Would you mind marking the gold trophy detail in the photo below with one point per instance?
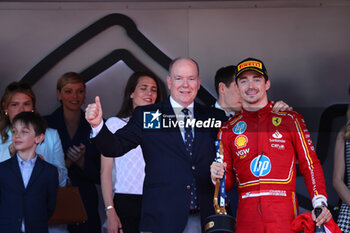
(220, 222)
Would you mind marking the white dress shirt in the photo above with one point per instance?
(228, 114)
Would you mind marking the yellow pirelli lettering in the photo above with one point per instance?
(250, 64)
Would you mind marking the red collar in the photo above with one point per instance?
(262, 111)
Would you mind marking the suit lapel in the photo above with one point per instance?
(39, 164)
(16, 170)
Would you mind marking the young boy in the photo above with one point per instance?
(28, 184)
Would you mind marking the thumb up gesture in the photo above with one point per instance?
(93, 113)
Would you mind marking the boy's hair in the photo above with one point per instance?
(31, 118)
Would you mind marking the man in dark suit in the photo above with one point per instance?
(28, 184)
(178, 192)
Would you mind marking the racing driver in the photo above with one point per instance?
(261, 149)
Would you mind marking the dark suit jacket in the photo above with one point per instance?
(169, 168)
(35, 204)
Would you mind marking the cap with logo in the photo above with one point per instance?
(251, 64)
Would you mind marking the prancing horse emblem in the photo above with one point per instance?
(276, 121)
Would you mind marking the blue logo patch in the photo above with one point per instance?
(260, 166)
(151, 120)
(240, 127)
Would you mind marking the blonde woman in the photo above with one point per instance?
(81, 157)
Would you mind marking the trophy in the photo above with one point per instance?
(220, 221)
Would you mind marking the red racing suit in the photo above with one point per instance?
(261, 150)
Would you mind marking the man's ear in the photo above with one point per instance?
(40, 138)
(221, 87)
(267, 85)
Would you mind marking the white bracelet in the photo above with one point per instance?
(109, 207)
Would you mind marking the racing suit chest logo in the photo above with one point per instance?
(243, 153)
(277, 135)
(240, 127)
(276, 121)
(241, 141)
(260, 166)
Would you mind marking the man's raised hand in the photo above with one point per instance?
(93, 113)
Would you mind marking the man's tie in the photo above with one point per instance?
(188, 140)
(188, 133)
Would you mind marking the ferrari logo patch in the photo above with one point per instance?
(276, 121)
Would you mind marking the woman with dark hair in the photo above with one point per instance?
(124, 211)
(81, 157)
(19, 97)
